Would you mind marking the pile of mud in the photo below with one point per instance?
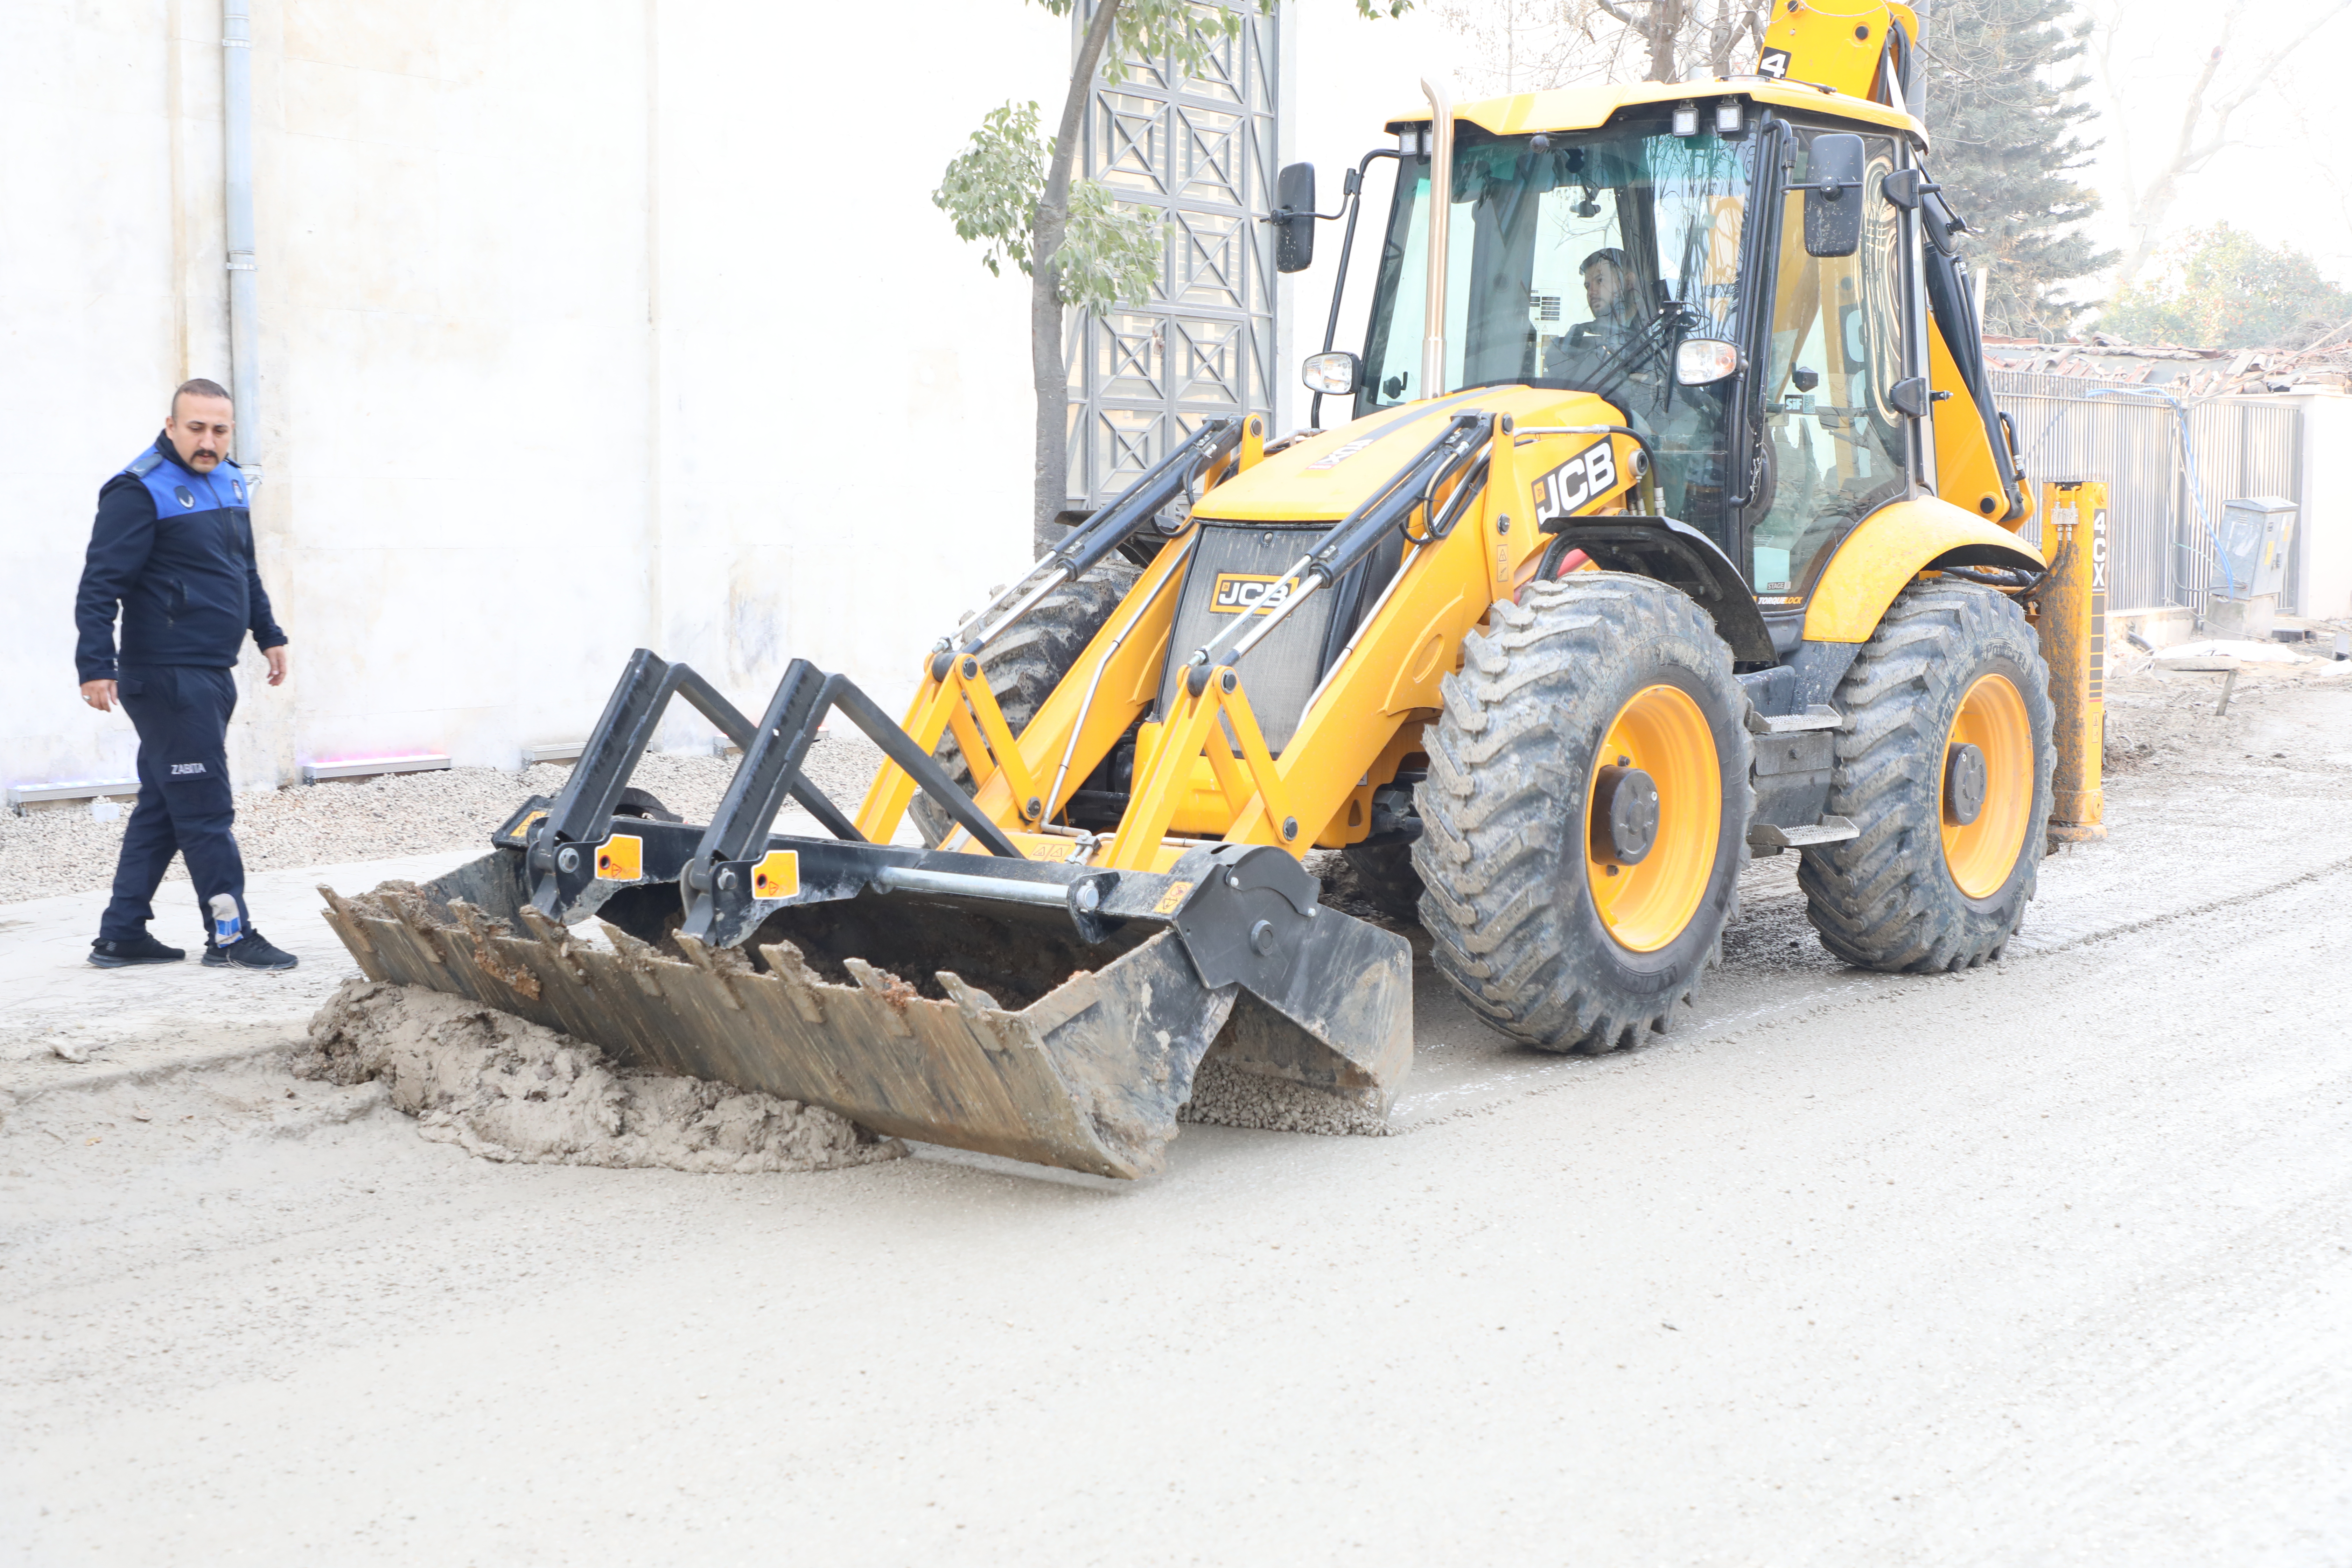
(505, 1089)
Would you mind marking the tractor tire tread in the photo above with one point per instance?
(1385, 878)
(1026, 664)
(1494, 806)
(1884, 900)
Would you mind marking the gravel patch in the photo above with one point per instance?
(69, 850)
(1223, 1097)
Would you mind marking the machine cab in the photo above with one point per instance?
(1671, 260)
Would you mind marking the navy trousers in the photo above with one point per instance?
(182, 713)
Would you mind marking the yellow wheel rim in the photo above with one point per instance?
(1645, 905)
(1981, 853)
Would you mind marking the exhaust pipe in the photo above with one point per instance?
(1441, 210)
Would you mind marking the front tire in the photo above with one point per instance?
(1585, 815)
(1950, 844)
(1025, 666)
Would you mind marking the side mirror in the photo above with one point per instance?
(1333, 375)
(1702, 361)
(1293, 219)
(1833, 195)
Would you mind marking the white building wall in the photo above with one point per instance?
(585, 326)
(2323, 524)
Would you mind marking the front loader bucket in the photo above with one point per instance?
(1057, 1050)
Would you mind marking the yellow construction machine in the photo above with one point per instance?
(1671, 524)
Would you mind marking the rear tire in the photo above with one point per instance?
(644, 805)
(1919, 891)
(1529, 920)
(1025, 666)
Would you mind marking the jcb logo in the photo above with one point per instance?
(1588, 476)
(1338, 455)
(1249, 593)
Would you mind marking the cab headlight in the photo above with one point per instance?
(1333, 375)
(1703, 360)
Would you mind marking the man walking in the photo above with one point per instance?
(173, 546)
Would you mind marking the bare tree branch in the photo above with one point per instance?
(2204, 127)
(1550, 43)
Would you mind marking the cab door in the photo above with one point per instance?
(1833, 448)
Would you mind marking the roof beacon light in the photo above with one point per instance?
(1686, 118)
(1729, 115)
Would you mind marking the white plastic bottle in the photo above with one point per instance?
(227, 927)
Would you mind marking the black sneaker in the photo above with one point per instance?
(130, 950)
(251, 951)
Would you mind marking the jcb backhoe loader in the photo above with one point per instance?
(1563, 623)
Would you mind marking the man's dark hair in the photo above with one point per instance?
(1612, 255)
(199, 387)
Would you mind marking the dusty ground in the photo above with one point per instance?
(2044, 1264)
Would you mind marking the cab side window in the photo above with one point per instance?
(1834, 446)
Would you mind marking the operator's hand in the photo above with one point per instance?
(276, 657)
(99, 694)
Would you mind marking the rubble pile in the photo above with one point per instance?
(2325, 366)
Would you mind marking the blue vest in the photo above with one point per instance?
(176, 491)
(198, 593)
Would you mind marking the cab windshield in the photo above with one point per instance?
(1578, 260)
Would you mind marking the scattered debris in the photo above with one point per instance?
(2325, 365)
(2123, 752)
(2241, 651)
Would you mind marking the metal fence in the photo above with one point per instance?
(2133, 437)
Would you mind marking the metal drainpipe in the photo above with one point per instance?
(243, 289)
(1441, 210)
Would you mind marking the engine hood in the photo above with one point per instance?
(1325, 477)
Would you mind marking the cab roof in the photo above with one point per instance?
(1590, 107)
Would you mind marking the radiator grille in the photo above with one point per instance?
(1237, 564)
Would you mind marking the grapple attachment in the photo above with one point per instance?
(964, 1006)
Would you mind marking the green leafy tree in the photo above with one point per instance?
(2004, 106)
(1014, 192)
(2216, 287)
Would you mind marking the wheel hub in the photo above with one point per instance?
(1965, 782)
(1624, 815)
(1652, 819)
(1988, 786)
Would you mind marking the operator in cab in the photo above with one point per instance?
(1586, 349)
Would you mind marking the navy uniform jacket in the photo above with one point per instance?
(175, 549)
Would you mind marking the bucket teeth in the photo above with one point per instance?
(799, 982)
(973, 1001)
(892, 992)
